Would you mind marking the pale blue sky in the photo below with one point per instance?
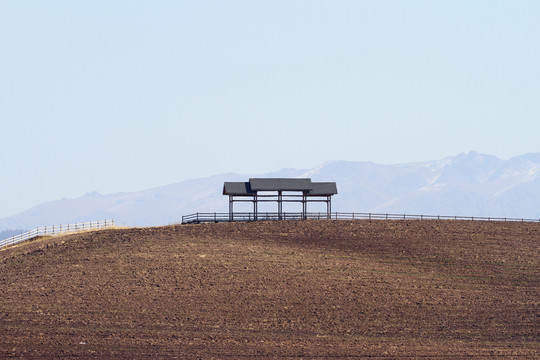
(127, 95)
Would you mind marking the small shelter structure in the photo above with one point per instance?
(279, 190)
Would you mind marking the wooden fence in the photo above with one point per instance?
(57, 229)
(271, 216)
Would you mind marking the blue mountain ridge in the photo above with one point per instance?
(469, 184)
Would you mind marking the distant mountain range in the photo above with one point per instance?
(469, 184)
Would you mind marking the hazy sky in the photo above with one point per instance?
(127, 95)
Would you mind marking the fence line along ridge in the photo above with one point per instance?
(56, 230)
(272, 216)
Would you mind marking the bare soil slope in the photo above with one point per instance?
(324, 289)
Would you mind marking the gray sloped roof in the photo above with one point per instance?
(280, 184)
(323, 188)
(237, 188)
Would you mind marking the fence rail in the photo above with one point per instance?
(272, 216)
(57, 229)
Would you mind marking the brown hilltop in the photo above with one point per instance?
(342, 289)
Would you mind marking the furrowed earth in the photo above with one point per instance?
(288, 289)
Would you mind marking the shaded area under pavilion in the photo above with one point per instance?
(280, 190)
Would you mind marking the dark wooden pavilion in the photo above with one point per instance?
(279, 190)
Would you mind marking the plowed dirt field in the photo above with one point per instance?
(308, 289)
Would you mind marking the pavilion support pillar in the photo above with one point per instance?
(304, 206)
(328, 207)
(255, 207)
(231, 207)
(280, 205)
